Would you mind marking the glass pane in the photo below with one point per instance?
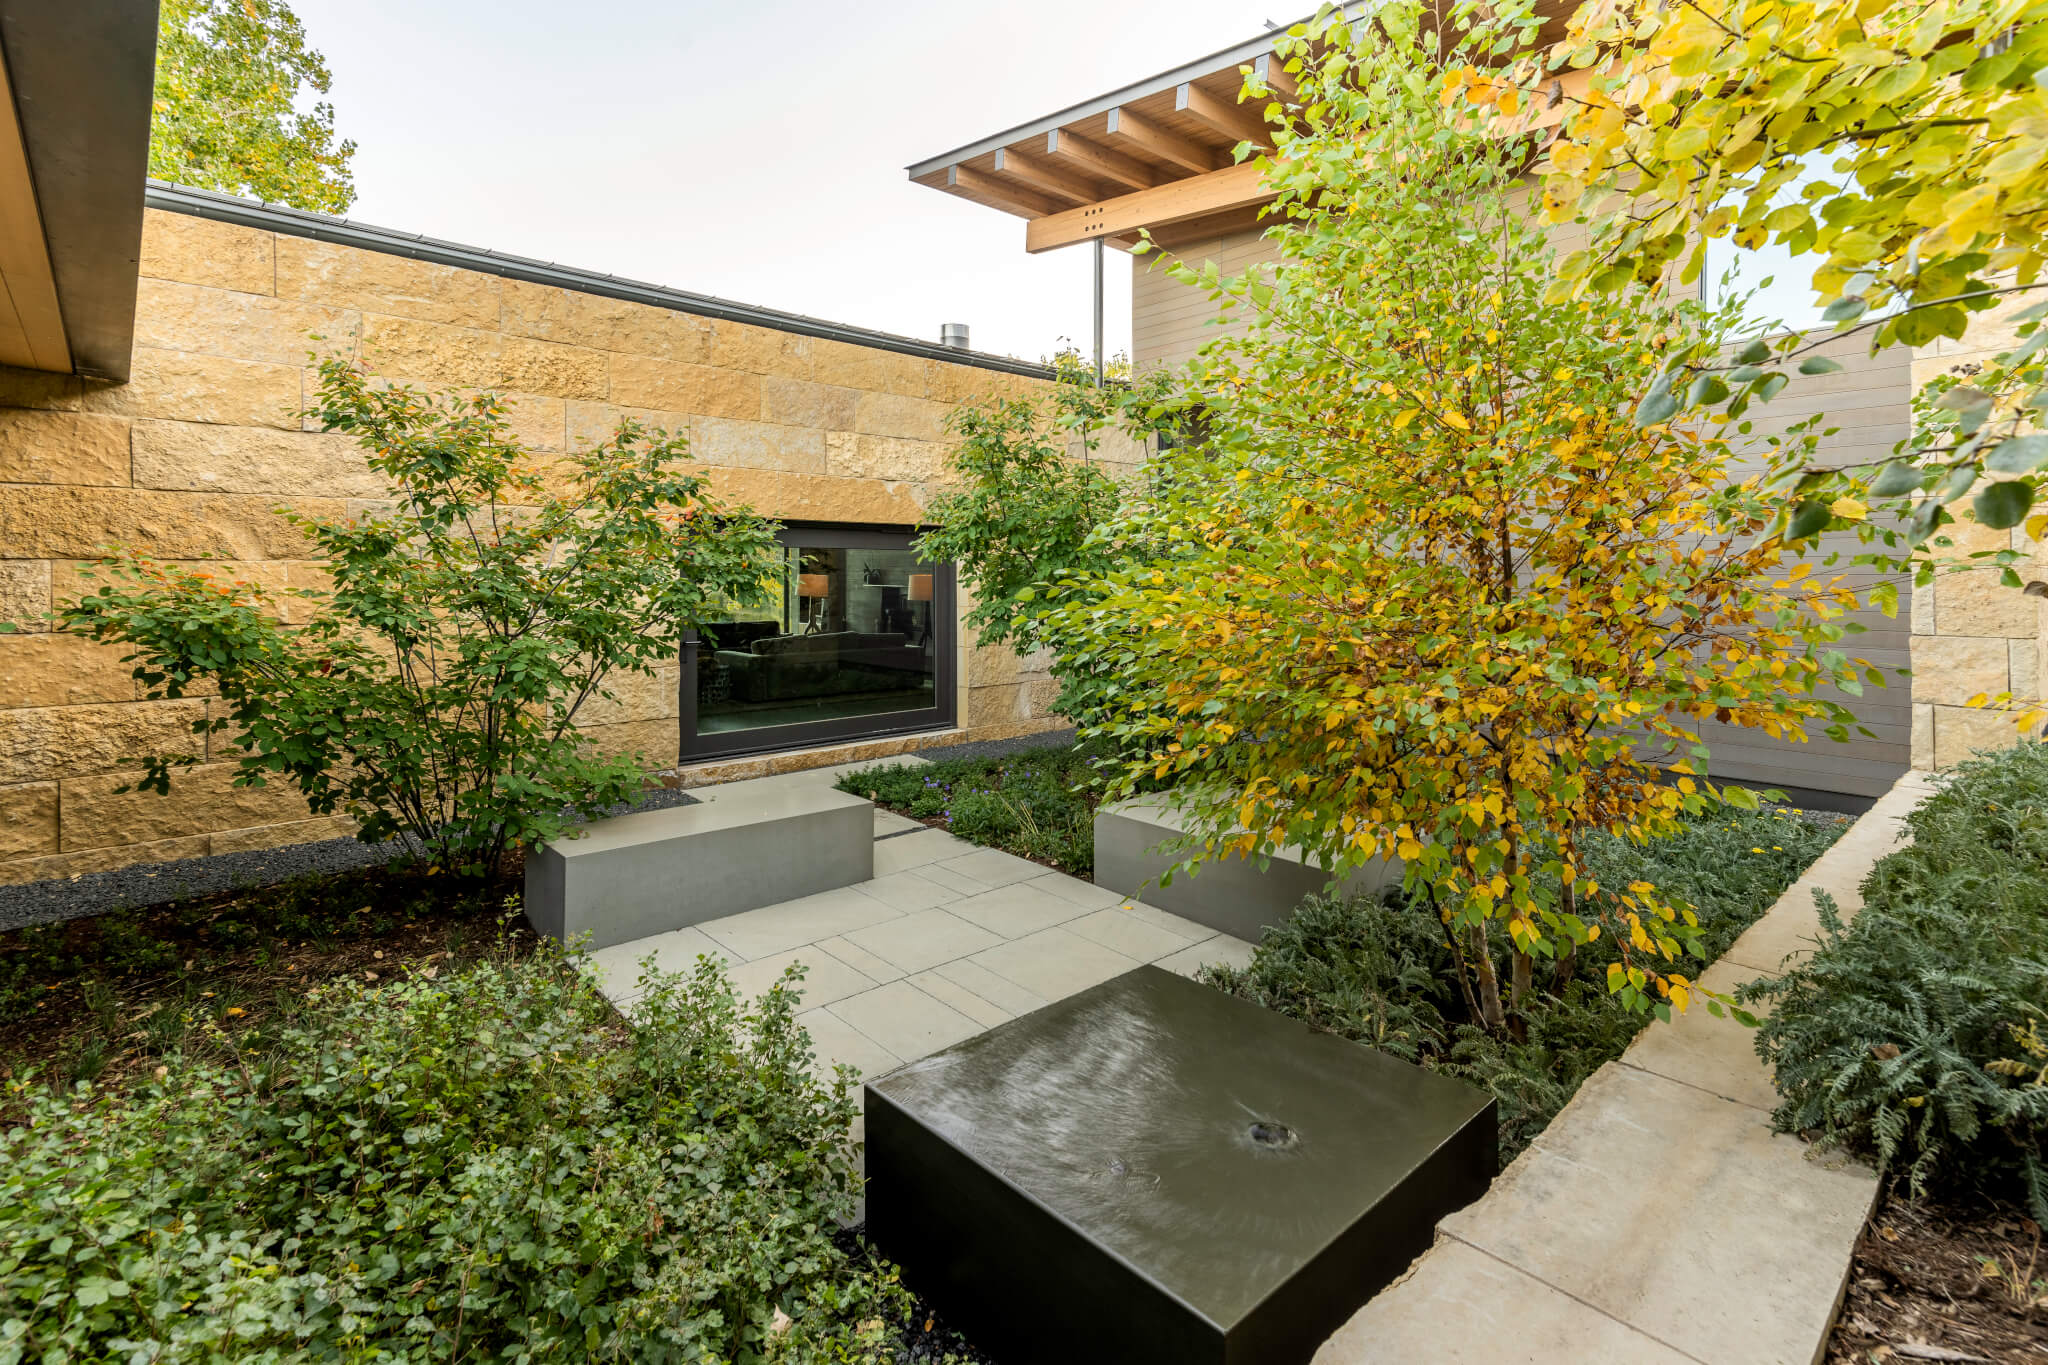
(850, 634)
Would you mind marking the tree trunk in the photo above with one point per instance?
(1491, 1015)
(1522, 982)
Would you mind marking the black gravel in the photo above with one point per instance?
(926, 1338)
(1000, 748)
(126, 888)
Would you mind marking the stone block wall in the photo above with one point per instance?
(1972, 635)
(190, 460)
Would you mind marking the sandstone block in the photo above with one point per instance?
(62, 448)
(1974, 602)
(184, 456)
(2024, 666)
(654, 741)
(808, 497)
(990, 665)
(71, 579)
(278, 836)
(25, 593)
(438, 355)
(948, 382)
(549, 313)
(56, 668)
(177, 386)
(1001, 704)
(177, 246)
(95, 814)
(800, 403)
(639, 381)
(761, 350)
(28, 819)
(642, 329)
(1040, 694)
(1923, 735)
(757, 445)
(397, 286)
(1951, 669)
(1962, 731)
(889, 414)
(44, 742)
(635, 697)
(867, 367)
(53, 866)
(200, 321)
(38, 389)
(79, 523)
(591, 423)
(890, 457)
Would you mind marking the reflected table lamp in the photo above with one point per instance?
(813, 588)
(921, 591)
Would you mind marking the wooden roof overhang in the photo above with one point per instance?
(1157, 155)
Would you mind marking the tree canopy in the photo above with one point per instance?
(230, 111)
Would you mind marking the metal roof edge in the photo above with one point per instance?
(320, 227)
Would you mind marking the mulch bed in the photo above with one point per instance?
(105, 998)
(1952, 1282)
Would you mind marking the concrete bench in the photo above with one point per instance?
(643, 874)
(1232, 894)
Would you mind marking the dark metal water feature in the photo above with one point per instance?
(1153, 1171)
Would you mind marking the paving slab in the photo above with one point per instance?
(1714, 1055)
(1016, 910)
(947, 991)
(920, 941)
(999, 991)
(1055, 963)
(773, 928)
(888, 822)
(1129, 934)
(905, 1020)
(907, 891)
(838, 1043)
(617, 969)
(825, 979)
(916, 850)
(993, 867)
(1217, 949)
(1459, 1306)
(1738, 1255)
(1085, 894)
(860, 959)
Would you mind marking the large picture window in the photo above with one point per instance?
(857, 641)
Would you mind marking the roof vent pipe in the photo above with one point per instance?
(954, 334)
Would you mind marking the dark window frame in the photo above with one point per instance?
(769, 739)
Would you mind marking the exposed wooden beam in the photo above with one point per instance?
(1001, 193)
(1195, 197)
(1270, 69)
(1148, 136)
(1100, 161)
(31, 322)
(1052, 178)
(1238, 122)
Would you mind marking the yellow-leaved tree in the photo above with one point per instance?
(1424, 589)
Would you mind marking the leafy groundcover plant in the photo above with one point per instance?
(481, 1167)
(1919, 1032)
(1038, 804)
(1387, 975)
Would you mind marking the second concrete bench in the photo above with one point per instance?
(1233, 894)
(643, 874)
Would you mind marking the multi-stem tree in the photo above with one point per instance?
(1426, 590)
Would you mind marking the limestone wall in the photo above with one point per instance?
(190, 460)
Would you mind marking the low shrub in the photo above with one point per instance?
(1039, 804)
(1384, 974)
(1919, 1032)
(482, 1166)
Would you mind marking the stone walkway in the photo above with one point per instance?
(1658, 1218)
(948, 940)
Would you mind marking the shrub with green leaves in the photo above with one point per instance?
(1386, 975)
(482, 1167)
(1039, 803)
(434, 687)
(1919, 1031)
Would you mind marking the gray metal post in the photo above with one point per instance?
(1098, 312)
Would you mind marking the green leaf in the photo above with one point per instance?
(1896, 479)
(1809, 519)
(1756, 353)
(1819, 364)
(1706, 390)
(2003, 505)
(1658, 405)
(2019, 455)
(1845, 309)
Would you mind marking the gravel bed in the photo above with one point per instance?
(124, 888)
(998, 748)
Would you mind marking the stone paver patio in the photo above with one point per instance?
(948, 940)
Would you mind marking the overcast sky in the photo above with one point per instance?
(754, 150)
